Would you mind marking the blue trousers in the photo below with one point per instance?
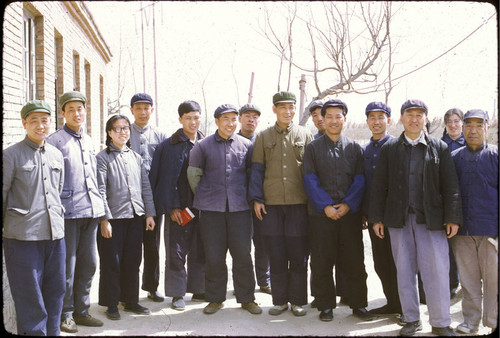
(183, 244)
(285, 234)
(261, 258)
(120, 258)
(81, 263)
(417, 249)
(36, 272)
(220, 232)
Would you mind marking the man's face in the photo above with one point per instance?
(190, 122)
(142, 112)
(317, 119)
(37, 126)
(74, 113)
(413, 121)
(475, 132)
(334, 121)
(226, 124)
(377, 122)
(284, 112)
(249, 121)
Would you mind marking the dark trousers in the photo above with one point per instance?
(120, 258)
(220, 232)
(285, 235)
(385, 267)
(261, 258)
(183, 245)
(81, 264)
(340, 241)
(37, 279)
(151, 268)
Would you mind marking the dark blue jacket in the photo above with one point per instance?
(168, 173)
(478, 176)
(371, 153)
(454, 144)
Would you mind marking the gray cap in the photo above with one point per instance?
(315, 104)
(249, 106)
(477, 114)
(225, 108)
(414, 104)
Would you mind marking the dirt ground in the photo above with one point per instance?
(234, 321)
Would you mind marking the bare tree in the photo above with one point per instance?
(349, 44)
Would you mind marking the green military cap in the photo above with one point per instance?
(72, 96)
(284, 97)
(35, 106)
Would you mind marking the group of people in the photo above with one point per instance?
(295, 194)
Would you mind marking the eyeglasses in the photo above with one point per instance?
(120, 129)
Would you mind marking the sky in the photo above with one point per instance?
(213, 47)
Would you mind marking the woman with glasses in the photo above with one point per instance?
(128, 203)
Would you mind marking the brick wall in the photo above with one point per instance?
(70, 23)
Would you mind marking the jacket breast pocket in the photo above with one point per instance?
(27, 173)
(55, 172)
(269, 149)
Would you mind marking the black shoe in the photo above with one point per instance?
(363, 314)
(444, 331)
(198, 297)
(136, 308)
(326, 315)
(112, 313)
(314, 304)
(385, 310)
(410, 328)
(156, 296)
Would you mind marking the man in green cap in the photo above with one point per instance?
(280, 203)
(33, 225)
(83, 206)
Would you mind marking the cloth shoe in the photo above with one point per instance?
(363, 314)
(326, 315)
(444, 331)
(212, 308)
(278, 309)
(298, 310)
(198, 297)
(112, 313)
(136, 308)
(465, 329)
(410, 328)
(266, 289)
(69, 325)
(178, 303)
(252, 307)
(385, 310)
(88, 320)
(156, 296)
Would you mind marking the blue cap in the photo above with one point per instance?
(378, 106)
(315, 104)
(334, 103)
(414, 104)
(141, 97)
(225, 108)
(476, 114)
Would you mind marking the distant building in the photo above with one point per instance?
(49, 48)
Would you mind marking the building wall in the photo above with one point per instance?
(71, 25)
(62, 29)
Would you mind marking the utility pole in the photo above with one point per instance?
(302, 87)
(251, 88)
(155, 70)
(143, 60)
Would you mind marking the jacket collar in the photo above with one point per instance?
(33, 145)
(114, 148)
(71, 131)
(179, 136)
(281, 130)
(218, 138)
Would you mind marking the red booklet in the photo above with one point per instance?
(186, 215)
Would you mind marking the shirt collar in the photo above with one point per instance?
(139, 128)
(112, 147)
(334, 144)
(219, 138)
(33, 145)
(71, 131)
(420, 139)
(281, 130)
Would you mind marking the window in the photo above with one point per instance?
(28, 58)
